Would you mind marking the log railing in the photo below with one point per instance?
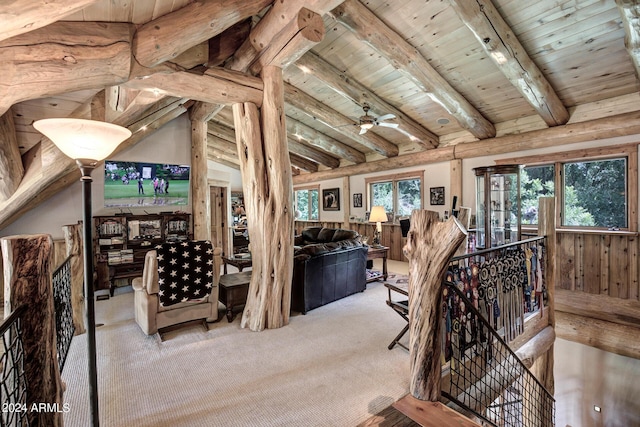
(13, 383)
(61, 280)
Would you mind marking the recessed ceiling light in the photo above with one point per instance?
(443, 121)
(597, 408)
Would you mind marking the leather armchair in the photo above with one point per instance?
(151, 315)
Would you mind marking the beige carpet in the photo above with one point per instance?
(328, 368)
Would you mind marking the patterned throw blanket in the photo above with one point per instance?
(185, 271)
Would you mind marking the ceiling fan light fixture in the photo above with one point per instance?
(367, 126)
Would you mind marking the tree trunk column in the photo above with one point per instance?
(73, 240)
(430, 245)
(201, 204)
(27, 276)
(268, 195)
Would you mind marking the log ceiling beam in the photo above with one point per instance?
(315, 109)
(10, 160)
(156, 42)
(607, 127)
(502, 46)
(369, 29)
(348, 87)
(18, 17)
(65, 57)
(630, 13)
(302, 163)
(323, 142)
(304, 30)
(217, 85)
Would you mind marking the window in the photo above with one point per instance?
(535, 182)
(593, 188)
(399, 194)
(306, 203)
(595, 193)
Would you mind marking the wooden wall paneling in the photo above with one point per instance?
(632, 181)
(605, 246)
(633, 268)
(591, 263)
(566, 256)
(619, 262)
(579, 262)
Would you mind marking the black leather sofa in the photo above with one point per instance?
(329, 264)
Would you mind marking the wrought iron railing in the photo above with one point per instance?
(64, 312)
(13, 385)
(484, 375)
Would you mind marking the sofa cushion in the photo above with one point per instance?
(342, 234)
(326, 235)
(310, 235)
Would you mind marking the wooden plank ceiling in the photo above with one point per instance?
(450, 72)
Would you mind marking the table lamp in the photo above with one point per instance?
(87, 142)
(378, 215)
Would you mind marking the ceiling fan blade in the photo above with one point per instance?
(386, 117)
(362, 131)
(389, 125)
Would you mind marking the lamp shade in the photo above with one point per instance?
(378, 214)
(83, 139)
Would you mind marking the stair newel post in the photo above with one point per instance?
(73, 243)
(430, 245)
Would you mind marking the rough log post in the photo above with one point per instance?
(10, 160)
(268, 192)
(199, 186)
(73, 240)
(27, 277)
(543, 367)
(430, 244)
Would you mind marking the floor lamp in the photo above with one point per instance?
(378, 215)
(87, 142)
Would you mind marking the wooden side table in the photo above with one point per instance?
(239, 263)
(378, 252)
(233, 291)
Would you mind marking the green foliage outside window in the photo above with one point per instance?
(399, 197)
(306, 202)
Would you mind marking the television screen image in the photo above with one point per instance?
(136, 184)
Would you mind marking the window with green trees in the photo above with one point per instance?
(593, 192)
(399, 195)
(306, 202)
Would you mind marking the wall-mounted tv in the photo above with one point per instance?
(136, 184)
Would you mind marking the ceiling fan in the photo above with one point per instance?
(366, 122)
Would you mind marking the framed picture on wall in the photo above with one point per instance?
(357, 200)
(331, 199)
(437, 196)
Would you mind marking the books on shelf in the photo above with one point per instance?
(122, 256)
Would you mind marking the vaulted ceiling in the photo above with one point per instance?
(454, 73)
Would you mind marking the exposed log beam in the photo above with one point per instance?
(302, 163)
(223, 46)
(607, 336)
(10, 160)
(329, 117)
(630, 13)
(222, 158)
(603, 307)
(156, 115)
(217, 85)
(324, 142)
(18, 17)
(222, 128)
(156, 41)
(64, 57)
(504, 49)
(345, 85)
(304, 31)
(318, 156)
(608, 127)
(369, 29)
(222, 146)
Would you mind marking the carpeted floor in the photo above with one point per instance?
(328, 368)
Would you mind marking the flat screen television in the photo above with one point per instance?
(136, 184)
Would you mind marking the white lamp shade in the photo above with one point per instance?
(83, 139)
(378, 214)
